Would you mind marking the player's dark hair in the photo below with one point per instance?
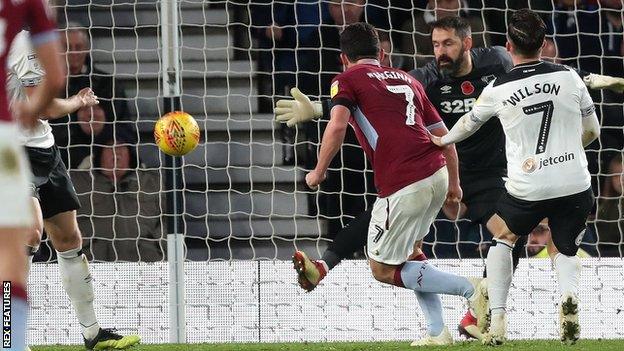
(359, 41)
(526, 31)
(460, 25)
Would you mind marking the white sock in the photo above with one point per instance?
(77, 283)
(421, 276)
(568, 271)
(499, 273)
(431, 306)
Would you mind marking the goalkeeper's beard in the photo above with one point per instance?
(453, 66)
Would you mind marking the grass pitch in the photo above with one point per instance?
(536, 345)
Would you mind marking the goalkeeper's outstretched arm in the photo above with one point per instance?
(599, 81)
(299, 110)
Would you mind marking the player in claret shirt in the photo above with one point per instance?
(392, 119)
(452, 81)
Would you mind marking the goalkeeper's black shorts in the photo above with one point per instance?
(481, 193)
(50, 183)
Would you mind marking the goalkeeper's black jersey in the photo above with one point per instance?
(484, 151)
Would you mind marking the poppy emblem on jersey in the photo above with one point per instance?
(467, 88)
(529, 165)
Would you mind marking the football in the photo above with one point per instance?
(176, 133)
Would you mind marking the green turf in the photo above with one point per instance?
(537, 345)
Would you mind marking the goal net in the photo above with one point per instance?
(244, 204)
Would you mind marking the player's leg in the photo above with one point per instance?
(74, 268)
(431, 306)
(481, 207)
(13, 278)
(348, 240)
(400, 221)
(15, 221)
(481, 197)
(514, 218)
(33, 237)
(499, 272)
(59, 203)
(77, 282)
(41, 163)
(567, 224)
(482, 308)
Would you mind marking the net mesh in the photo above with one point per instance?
(244, 195)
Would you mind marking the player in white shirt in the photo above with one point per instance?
(54, 199)
(548, 117)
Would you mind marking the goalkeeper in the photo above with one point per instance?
(453, 82)
(54, 198)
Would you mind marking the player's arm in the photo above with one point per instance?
(466, 126)
(52, 83)
(434, 124)
(469, 123)
(453, 208)
(58, 108)
(454, 194)
(591, 129)
(590, 124)
(330, 145)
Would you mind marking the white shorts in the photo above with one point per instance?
(15, 203)
(403, 218)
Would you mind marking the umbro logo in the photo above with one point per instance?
(380, 232)
(579, 238)
(421, 273)
(488, 79)
(446, 89)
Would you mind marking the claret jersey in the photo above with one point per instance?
(14, 15)
(390, 113)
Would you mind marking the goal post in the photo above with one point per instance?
(174, 184)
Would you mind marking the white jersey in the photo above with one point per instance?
(24, 71)
(540, 106)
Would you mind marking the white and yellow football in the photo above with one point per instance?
(176, 133)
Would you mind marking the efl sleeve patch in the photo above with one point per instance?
(334, 89)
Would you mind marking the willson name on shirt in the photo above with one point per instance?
(538, 88)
